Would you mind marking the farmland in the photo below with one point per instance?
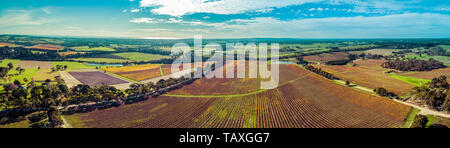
(296, 103)
(87, 48)
(138, 73)
(368, 73)
(428, 75)
(3, 44)
(76, 65)
(385, 52)
(101, 60)
(47, 47)
(123, 57)
(96, 78)
(444, 59)
(136, 56)
(327, 57)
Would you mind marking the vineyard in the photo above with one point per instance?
(327, 57)
(429, 74)
(96, 78)
(138, 73)
(368, 73)
(48, 47)
(300, 101)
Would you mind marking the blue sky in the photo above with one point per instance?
(228, 18)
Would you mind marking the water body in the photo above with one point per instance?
(283, 62)
(96, 64)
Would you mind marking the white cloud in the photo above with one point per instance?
(19, 17)
(134, 10)
(183, 7)
(145, 20)
(442, 9)
(46, 10)
(389, 26)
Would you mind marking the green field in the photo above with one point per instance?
(75, 65)
(86, 48)
(412, 115)
(21, 124)
(4, 62)
(446, 47)
(28, 73)
(102, 60)
(444, 59)
(137, 57)
(411, 80)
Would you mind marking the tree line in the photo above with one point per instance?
(319, 71)
(413, 64)
(435, 94)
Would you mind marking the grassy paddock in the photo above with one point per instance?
(86, 48)
(136, 56)
(444, 59)
(411, 80)
(410, 119)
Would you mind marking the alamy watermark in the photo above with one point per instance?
(223, 60)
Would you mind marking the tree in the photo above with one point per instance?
(54, 117)
(19, 97)
(347, 83)
(420, 122)
(446, 105)
(381, 91)
(25, 80)
(17, 83)
(10, 66)
(47, 81)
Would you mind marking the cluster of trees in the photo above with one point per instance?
(405, 44)
(301, 61)
(27, 54)
(59, 68)
(413, 65)
(25, 96)
(51, 118)
(338, 62)
(5, 70)
(319, 71)
(437, 51)
(84, 93)
(435, 94)
(385, 93)
(421, 121)
(402, 52)
(366, 56)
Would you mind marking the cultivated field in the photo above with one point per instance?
(86, 49)
(369, 74)
(69, 79)
(136, 56)
(298, 102)
(44, 74)
(444, 59)
(327, 57)
(96, 78)
(138, 73)
(385, 52)
(35, 64)
(429, 74)
(47, 47)
(3, 44)
(101, 60)
(123, 57)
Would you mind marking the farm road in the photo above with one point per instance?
(69, 79)
(423, 110)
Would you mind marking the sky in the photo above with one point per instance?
(174, 19)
